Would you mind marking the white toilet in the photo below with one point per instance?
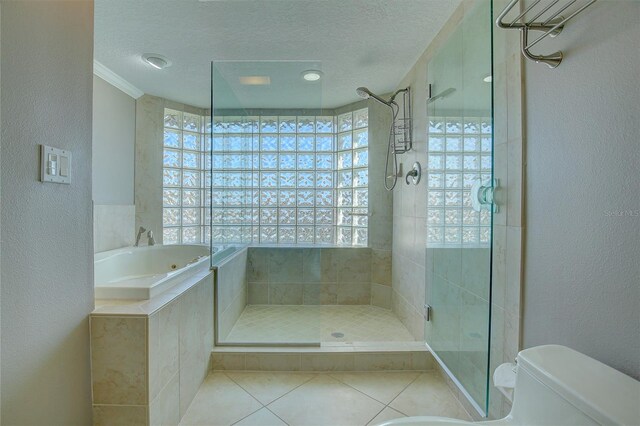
(558, 386)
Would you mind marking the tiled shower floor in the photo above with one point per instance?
(314, 324)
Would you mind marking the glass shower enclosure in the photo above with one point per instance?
(459, 216)
(266, 160)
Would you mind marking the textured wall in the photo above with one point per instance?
(47, 261)
(582, 279)
(114, 121)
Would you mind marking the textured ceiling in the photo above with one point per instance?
(371, 43)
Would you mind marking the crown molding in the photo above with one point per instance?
(114, 79)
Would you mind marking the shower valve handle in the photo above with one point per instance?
(414, 175)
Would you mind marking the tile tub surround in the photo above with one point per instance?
(366, 398)
(231, 291)
(148, 358)
(318, 276)
(113, 226)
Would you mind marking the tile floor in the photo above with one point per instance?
(324, 399)
(309, 324)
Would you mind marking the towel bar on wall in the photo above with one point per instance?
(547, 19)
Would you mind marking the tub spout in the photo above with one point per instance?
(140, 232)
(152, 240)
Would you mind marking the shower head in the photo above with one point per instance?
(365, 93)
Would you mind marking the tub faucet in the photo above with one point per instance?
(140, 232)
(152, 240)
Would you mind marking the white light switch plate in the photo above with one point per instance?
(55, 165)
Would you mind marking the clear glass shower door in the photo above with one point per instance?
(459, 228)
(271, 182)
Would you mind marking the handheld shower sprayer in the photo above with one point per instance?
(365, 93)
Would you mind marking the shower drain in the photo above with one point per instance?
(337, 334)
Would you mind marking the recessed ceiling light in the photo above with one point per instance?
(312, 75)
(255, 80)
(156, 61)
(488, 79)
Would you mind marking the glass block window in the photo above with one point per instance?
(352, 178)
(459, 153)
(185, 163)
(291, 179)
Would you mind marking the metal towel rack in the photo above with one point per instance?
(547, 19)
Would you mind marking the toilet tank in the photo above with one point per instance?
(556, 385)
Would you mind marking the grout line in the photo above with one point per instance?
(313, 376)
(240, 386)
(460, 404)
(248, 393)
(366, 372)
(277, 416)
(371, 419)
(401, 392)
(248, 415)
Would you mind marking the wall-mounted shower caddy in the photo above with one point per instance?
(402, 124)
(547, 18)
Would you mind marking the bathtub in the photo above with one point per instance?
(143, 272)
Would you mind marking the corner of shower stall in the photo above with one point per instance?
(299, 216)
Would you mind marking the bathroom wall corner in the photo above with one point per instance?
(148, 164)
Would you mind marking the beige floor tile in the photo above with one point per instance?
(219, 401)
(429, 395)
(267, 387)
(262, 417)
(381, 386)
(386, 415)
(325, 401)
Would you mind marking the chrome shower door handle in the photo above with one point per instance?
(483, 195)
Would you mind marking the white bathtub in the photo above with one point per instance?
(143, 272)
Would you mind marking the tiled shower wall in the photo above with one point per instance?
(231, 296)
(113, 226)
(410, 260)
(316, 276)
